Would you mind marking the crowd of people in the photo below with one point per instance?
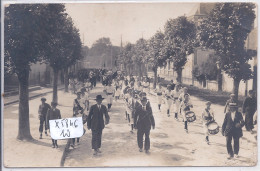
(134, 91)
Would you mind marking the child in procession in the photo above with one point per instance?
(169, 98)
(159, 93)
(185, 107)
(207, 117)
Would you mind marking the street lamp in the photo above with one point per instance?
(219, 76)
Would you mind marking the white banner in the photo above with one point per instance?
(66, 128)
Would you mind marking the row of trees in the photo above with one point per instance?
(225, 31)
(38, 33)
(174, 44)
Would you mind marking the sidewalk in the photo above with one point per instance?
(39, 152)
(33, 94)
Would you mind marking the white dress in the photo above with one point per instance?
(110, 93)
(159, 93)
(176, 104)
(169, 96)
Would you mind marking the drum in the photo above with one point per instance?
(213, 128)
(190, 116)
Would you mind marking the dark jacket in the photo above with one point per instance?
(95, 118)
(249, 105)
(52, 115)
(231, 127)
(143, 119)
(43, 109)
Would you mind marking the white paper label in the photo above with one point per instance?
(66, 128)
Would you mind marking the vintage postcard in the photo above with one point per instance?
(129, 84)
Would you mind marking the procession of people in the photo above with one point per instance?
(139, 113)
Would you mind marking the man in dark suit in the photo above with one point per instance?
(232, 128)
(249, 109)
(143, 121)
(96, 122)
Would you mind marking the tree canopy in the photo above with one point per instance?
(226, 30)
(180, 37)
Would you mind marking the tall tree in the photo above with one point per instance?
(23, 46)
(127, 57)
(226, 30)
(180, 36)
(63, 45)
(140, 52)
(156, 55)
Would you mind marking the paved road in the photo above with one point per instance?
(170, 145)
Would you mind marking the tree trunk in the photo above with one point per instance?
(219, 80)
(179, 76)
(55, 85)
(236, 87)
(66, 80)
(155, 78)
(24, 121)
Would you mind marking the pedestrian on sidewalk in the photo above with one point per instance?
(232, 128)
(143, 121)
(230, 100)
(43, 109)
(207, 117)
(169, 98)
(96, 122)
(185, 107)
(249, 109)
(53, 114)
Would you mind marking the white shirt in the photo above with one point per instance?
(233, 115)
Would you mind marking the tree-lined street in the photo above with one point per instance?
(37, 34)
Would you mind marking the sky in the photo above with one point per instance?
(132, 21)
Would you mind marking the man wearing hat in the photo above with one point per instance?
(43, 109)
(232, 128)
(53, 114)
(143, 121)
(249, 109)
(231, 100)
(96, 122)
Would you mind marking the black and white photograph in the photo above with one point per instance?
(129, 84)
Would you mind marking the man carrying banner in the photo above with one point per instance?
(96, 122)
